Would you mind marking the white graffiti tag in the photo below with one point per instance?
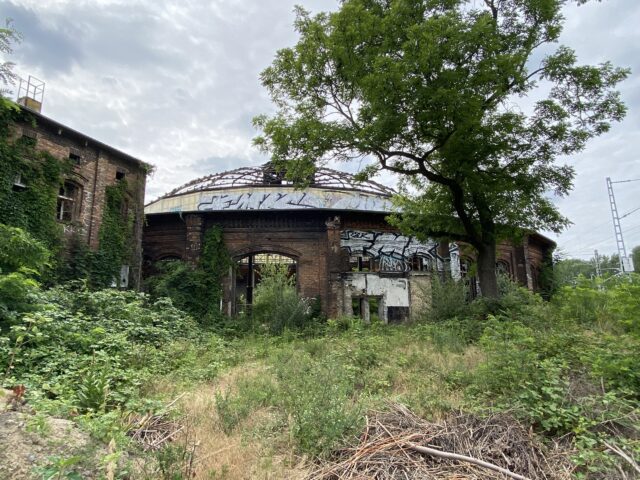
(395, 252)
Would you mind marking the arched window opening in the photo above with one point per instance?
(503, 268)
(248, 274)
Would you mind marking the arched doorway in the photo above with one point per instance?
(247, 274)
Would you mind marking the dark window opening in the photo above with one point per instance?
(247, 275)
(75, 158)
(68, 202)
(421, 264)
(397, 314)
(18, 184)
(503, 268)
(361, 263)
(120, 175)
(29, 138)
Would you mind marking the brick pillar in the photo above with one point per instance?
(194, 237)
(334, 290)
(527, 262)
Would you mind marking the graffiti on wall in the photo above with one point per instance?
(395, 252)
(293, 200)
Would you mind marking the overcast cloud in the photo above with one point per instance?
(175, 83)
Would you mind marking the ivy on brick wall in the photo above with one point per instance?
(195, 289)
(116, 237)
(29, 182)
(215, 262)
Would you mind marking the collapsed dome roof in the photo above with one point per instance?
(263, 188)
(266, 175)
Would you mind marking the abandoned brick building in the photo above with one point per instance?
(333, 235)
(95, 166)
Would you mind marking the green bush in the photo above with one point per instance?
(183, 284)
(276, 305)
(22, 261)
(89, 350)
(320, 399)
(196, 289)
(449, 300)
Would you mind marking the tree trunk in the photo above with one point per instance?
(487, 269)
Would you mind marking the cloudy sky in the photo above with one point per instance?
(175, 83)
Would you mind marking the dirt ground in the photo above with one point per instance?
(29, 443)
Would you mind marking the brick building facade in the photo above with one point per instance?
(95, 166)
(333, 235)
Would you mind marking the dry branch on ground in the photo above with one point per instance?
(386, 450)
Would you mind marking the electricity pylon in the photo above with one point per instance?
(625, 264)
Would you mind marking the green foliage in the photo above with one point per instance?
(195, 289)
(635, 256)
(116, 237)
(60, 468)
(215, 262)
(32, 207)
(252, 393)
(319, 397)
(184, 284)
(92, 350)
(8, 36)
(426, 89)
(19, 250)
(22, 260)
(276, 305)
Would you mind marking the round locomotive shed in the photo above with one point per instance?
(332, 236)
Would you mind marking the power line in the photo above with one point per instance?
(627, 181)
(629, 213)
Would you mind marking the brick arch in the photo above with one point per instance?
(266, 248)
(167, 254)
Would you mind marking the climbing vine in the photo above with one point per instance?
(116, 237)
(195, 289)
(29, 182)
(215, 262)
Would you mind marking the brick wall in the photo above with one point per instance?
(96, 168)
(312, 238)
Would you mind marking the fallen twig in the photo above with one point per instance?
(464, 458)
(620, 452)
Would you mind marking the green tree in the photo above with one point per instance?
(635, 255)
(8, 36)
(428, 89)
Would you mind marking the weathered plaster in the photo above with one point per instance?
(394, 291)
(267, 198)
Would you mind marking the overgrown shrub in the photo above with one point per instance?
(449, 300)
(184, 284)
(22, 261)
(196, 289)
(92, 349)
(276, 305)
(320, 399)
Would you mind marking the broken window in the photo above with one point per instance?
(503, 268)
(361, 263)
(29, 137)
(75, 158)
(120, 175)
(421, 264)
(18, 184)
(68, 202)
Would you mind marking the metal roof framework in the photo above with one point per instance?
(266, 176)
